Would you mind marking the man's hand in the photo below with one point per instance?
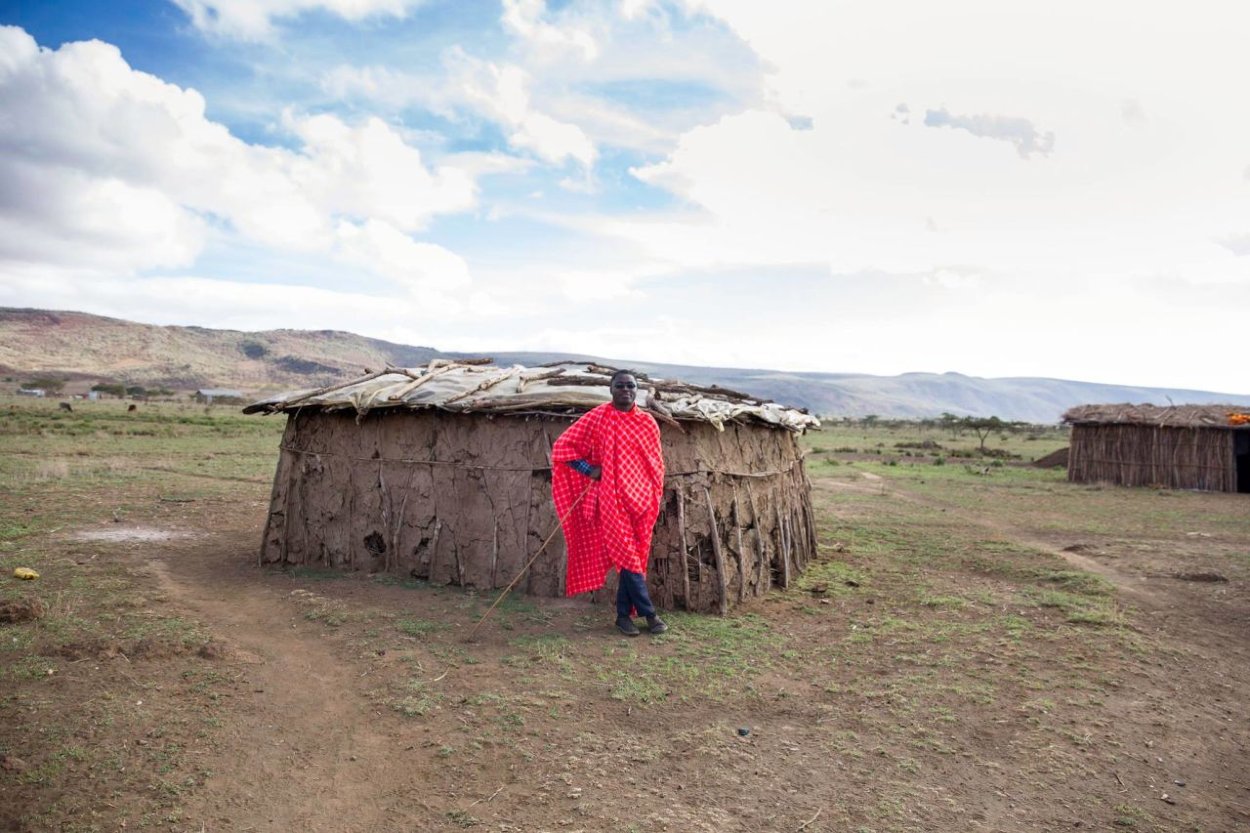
(583, 467)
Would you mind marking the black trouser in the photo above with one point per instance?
(631, 594)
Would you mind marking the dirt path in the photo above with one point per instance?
(302, 753)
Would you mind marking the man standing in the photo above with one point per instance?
(609, 464)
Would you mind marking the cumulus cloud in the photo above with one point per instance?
(501, 93)
(1018, 131)
(70, 219)
(370, 171)
(105, 165)
(417, 267)
(253, 19)
(525, 18)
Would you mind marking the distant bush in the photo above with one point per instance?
(924, 444)
(52, 384)
(111, 388)
(306, 367)
(253, 349)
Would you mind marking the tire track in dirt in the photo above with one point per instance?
(304, 752)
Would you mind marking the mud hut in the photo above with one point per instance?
(1203, 447)
(443, 473)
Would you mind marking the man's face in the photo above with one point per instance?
(624, 392)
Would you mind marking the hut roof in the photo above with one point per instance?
(1175, 416)
(476, 386)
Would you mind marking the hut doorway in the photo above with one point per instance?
(1242, 451)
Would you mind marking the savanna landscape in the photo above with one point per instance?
(981, 646)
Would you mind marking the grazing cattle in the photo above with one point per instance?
(133, 407)
(65, 406)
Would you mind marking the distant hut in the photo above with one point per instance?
(1182, 447)
(443, 473)
(223, 395)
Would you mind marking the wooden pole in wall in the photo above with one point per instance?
(765, 579)
(742, 553)
(718, 553)
(784, 550)
(559, 525)
(685, 550)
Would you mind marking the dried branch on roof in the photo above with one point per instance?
(471, 385)
(1175, 416)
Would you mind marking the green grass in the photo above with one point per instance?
(932, 615)
(419, 627)
(893, 439)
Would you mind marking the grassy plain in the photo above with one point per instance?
(980, 646)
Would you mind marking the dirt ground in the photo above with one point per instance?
(968, 655)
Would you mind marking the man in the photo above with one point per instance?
(607, 481)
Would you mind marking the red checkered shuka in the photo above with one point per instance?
(612, 524)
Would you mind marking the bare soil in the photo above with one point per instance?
(907, 683)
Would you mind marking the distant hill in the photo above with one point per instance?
(90, 348)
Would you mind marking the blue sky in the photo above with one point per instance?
(971, 186)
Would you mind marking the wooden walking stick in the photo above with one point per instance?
(528, 564)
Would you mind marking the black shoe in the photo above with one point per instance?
(626, 626)
(656, 625)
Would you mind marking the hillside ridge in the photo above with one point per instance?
(87, 348)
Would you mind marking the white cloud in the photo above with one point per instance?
(228, 304)
(1018, 131)
(253, 19)
(420, 268)
(1238, 244)
(525, 18)
(61, 216)
(860, 193)
(955, 278)
(501, 93)
(109, 166)
(370, 171)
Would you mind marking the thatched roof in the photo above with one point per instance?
(476, 386)
(1176, 416)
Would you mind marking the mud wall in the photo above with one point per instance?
(466, 500)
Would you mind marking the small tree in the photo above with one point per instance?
(137, 391)
(952, 423)
(51, 384)
(983, 427)
(111, 388)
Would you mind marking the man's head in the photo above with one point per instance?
(624, 390)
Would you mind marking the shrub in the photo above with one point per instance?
(253, 349)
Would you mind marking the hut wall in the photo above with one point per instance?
(1146, 455)
(466, 500)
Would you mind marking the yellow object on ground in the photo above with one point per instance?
(25, 573)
